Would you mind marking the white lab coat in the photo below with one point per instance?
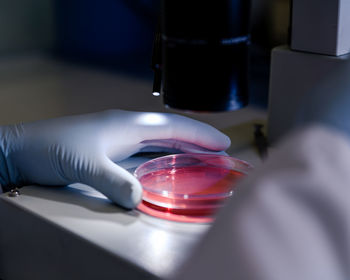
(290, 219)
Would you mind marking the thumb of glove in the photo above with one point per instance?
(113, 181)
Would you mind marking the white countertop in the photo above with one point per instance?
(38, 87)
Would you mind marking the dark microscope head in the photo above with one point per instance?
(201, 54)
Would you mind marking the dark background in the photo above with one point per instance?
(114, 36)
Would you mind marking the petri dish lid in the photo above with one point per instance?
(188, 187)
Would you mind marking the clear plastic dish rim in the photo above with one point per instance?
(248, 167)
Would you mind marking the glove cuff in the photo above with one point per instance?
(9, 176)
(4, 174)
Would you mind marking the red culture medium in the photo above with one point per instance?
(188, 187)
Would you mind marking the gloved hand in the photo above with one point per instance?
(84, 148)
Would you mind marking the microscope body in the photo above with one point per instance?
(205, 54)
(205, 60)
(309, 80)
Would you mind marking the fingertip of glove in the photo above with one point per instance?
(226, 141)
(136, 196)
(221, 142)
(131, 196)
(218, 140)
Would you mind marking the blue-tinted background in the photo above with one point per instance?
(113, 33)
(60, 57)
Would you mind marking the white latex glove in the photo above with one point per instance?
(290, 219)
(84, 148)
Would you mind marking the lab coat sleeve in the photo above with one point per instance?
(290, 219)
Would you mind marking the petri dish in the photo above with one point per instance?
(188, 187)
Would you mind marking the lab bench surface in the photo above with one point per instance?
(74, 232)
